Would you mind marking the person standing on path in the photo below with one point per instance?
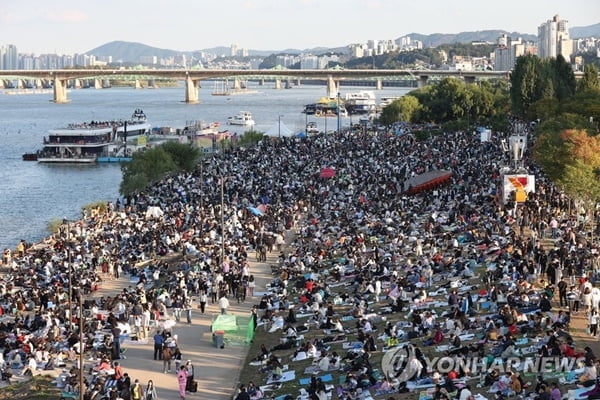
(136, 390)
(182, 381)
(187, 306)
(189, 367)
(167, 355)
(203, 298)
(223, 304)
(159, 340)
(150, 392)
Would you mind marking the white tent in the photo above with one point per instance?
(275, 130)
(154, 212)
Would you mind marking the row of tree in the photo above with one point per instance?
(567, 144)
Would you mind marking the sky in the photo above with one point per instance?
(77, 26)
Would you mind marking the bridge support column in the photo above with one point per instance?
(151, 83)
(97, 84)
(277, 83)
(469, 79)
(298, 83)
(60, 90)
(77, 84)
(332, 88)
(236, 84)
(422, 81)
(191, 90)
(137, 84)
(1, 83)
(379, 84)
(20, 84)
(261, 82)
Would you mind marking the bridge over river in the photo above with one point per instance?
(59, 78)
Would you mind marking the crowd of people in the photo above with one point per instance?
(357, 227)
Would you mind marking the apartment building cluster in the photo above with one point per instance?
(553, 40)
(379, 47)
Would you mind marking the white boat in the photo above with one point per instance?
(87, 142)
(243, 118)
(362, 102)
(311, 128)
(387, 100)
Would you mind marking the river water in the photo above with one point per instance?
(32, 194)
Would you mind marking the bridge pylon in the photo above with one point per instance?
(332, 88)
(278, 83)
(191, 90)
(60, 90)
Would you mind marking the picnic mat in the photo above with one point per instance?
(285, 377)
(324, 378)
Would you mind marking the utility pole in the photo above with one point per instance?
(81, 345)
(279, 129)
(69, 273)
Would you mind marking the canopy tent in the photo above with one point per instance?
(226, 323)
(327, 172)
(154, 212)
(426, 181)
(279, 128)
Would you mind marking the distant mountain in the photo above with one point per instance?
(131, 51)
(585, 31)
(436, 39)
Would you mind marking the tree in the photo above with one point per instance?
(589, 81)
(406, 109)
(525, 83)
(146, 168)
(565, 78)
(184, 155)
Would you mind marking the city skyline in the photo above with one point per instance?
(70, 26)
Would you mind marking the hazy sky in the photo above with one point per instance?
(76, 26)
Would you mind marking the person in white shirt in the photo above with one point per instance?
(223, 305)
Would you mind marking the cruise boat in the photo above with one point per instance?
(88, 141)
(362, 102)
(243, 118)
(387, 100)
(325, 108)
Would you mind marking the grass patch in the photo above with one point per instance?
(38, 387)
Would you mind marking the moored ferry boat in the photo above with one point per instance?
(87, 142)
(362, 102)
(243, 118)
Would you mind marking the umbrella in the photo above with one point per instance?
(262, 208)
(327, 173)
(255, 211)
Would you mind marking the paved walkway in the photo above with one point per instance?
(216, 370)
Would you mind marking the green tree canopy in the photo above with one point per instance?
(149, 166)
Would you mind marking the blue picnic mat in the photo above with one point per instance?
(324, 378)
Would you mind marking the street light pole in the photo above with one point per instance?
(279, 127)
(81, 345)
(69, 273)
(222, 221)
(338, 112)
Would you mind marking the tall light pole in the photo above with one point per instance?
(70, 277)
(338, 112)
(279, 126)
(81, 344)
(222, 221)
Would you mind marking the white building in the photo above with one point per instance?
(553, 39)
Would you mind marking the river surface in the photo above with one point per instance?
(32, 195)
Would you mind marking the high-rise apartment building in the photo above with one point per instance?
(553, 39)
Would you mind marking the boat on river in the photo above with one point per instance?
(359, 103)
(243, 118)
(93, 141)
